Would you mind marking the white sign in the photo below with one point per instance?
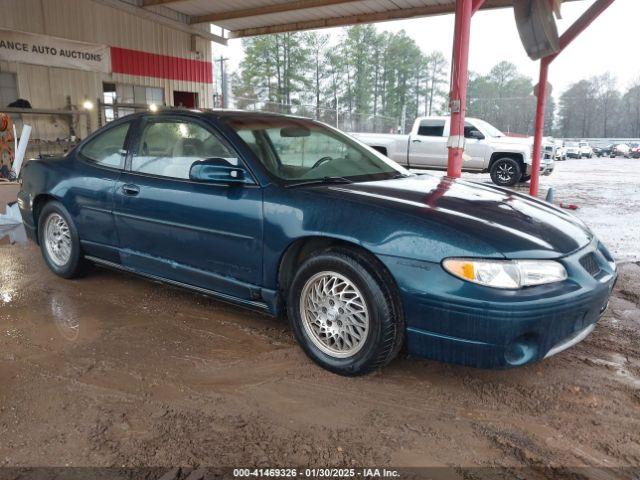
(53, 51)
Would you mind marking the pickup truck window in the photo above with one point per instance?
(488, 128)
(469, 131)
(296, 150)
(431, 128)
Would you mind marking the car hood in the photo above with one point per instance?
(518, 226)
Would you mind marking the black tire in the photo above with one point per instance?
(506, 172)
(76, 265)
(386, 324)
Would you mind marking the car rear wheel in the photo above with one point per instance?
(343, 314)
(506, 172)
(59, 241)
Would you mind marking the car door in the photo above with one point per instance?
(428, 145)
(99, 164)
(475, 147)
(207, 235)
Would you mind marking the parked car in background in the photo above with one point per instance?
(561, 151)
(284, 214)
(620, 150)
(573, 149)
(597, 151)
(548, 149)
(585, 150)
(634, 151)
(487, 149)
(606, 150)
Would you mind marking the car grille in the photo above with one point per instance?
(590, 264)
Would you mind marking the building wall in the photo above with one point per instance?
(94, 22)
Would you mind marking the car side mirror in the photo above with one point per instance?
(477, 134)
(217, 170)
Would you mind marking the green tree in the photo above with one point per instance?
(436, 79)
(577, 110)
(504, 98)
(317, 45)
(274, 69)
(631, 113)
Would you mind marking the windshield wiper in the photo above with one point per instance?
(320, 181)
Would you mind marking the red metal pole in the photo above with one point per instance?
(581, 24)
(539, 128)
(459, 78)
(477, 4)
(566, 38)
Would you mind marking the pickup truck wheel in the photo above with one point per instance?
(342, 314)
(506, 172)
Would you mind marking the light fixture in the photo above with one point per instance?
(87, 105)
(153, 107)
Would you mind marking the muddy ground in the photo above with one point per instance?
(112, 370)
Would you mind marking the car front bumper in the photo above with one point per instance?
(546, 167)
(459, 322)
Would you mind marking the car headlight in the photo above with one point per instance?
(506, 273)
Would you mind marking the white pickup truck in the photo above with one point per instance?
(487, 149)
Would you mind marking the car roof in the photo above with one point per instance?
(218, 113)
(444, 117)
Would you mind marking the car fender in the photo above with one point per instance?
(380, 230)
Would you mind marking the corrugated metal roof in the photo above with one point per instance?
(243, 18)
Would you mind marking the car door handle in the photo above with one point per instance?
(131, 190)
(417, 141)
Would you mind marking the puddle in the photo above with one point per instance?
(13, 234)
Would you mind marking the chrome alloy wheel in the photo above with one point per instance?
(505, 172)
(57, 239)
(334, 314)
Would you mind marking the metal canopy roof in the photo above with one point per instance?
(242, 18)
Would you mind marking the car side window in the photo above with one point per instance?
(169, 147)
(107, 148)
(431, 128)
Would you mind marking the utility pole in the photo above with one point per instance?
(223, 83)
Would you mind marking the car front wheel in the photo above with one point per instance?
(59, 241)
(506, 172)
(343, 314)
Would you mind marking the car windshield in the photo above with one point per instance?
(571, 144)
(297, 150)
(489, 129)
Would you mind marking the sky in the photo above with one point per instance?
(609, 44)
